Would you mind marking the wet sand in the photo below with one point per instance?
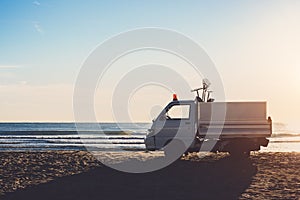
(78, 175)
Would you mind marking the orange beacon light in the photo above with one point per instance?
(175, 97)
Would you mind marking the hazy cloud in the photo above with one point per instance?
(38, 27)
(11, 74)
(10, 66)
(36, 3)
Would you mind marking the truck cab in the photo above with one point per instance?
(240, 128)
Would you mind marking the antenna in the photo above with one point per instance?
(206, 82)
(205, 93)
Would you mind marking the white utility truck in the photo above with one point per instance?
(243, 126)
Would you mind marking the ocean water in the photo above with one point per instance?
(118, 137)
(63, 136)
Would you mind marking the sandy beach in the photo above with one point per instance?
(78, 175)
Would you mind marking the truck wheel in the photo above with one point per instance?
(174, 148)
(239, 154)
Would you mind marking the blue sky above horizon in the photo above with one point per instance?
(254, 44)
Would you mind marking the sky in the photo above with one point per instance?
(254, 44)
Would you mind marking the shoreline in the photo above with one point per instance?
(76, 174)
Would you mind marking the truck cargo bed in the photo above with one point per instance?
(241, 119)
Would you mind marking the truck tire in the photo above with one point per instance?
(239, 154)
(240, 148)
(173, 150)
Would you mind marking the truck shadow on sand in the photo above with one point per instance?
(225, 178)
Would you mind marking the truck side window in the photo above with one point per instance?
(179, 112)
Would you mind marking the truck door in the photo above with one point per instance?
(177, 121)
